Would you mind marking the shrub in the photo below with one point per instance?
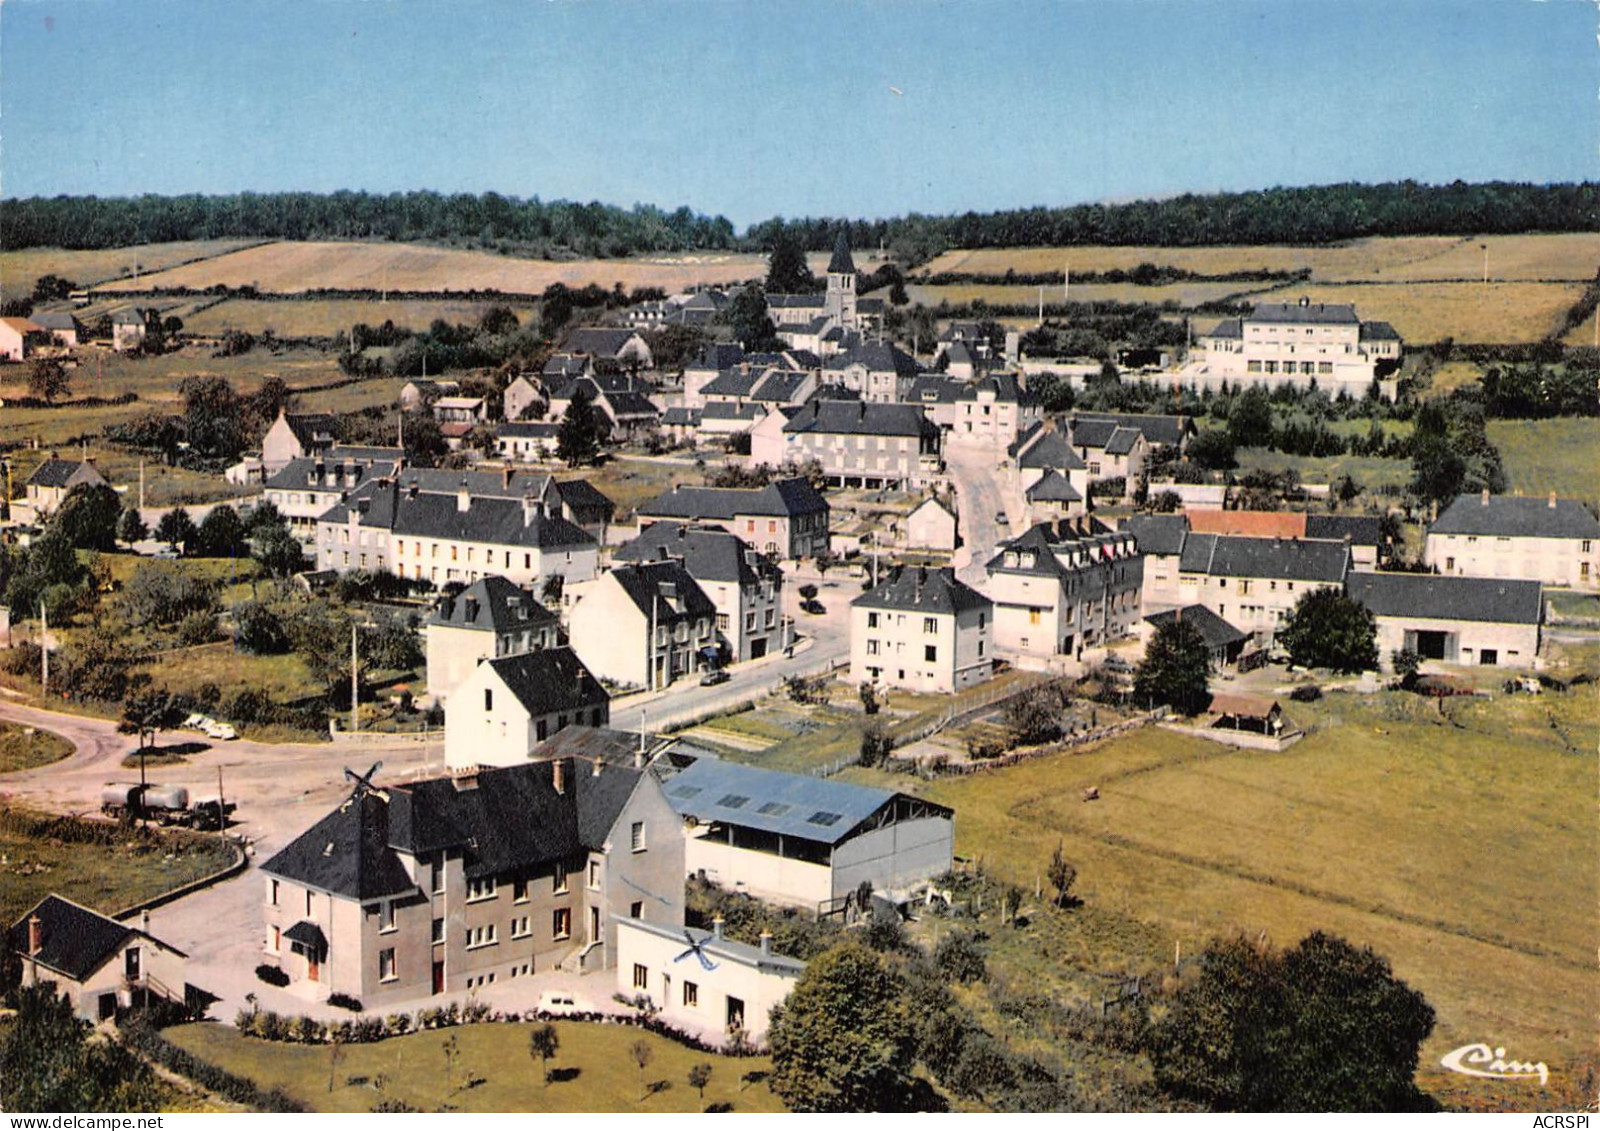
(271, 975)
(1306, 693)
(959, 957)
(197, 628)
(344, 1001)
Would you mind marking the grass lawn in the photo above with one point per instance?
(1369, 471)
(1573, 602)
(629, 481)
(1457, 847)
(1560, 455)
(100, 865)
(606, 1077)
(22, 748)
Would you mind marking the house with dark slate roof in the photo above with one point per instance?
(990, 412)
(746, 587)
(881, 373)
(857, 444)
(528, 441)
(644, 624)
(1224, 643)
(53, 480)
(622, 345)
(472, 882)
(1044, 450)
(416, 525)
(1254, 583)
(804, 840)
(1299, 344)
(1493, 622)
(491, 618)
(305, 489)
(507, 705)
(786, 518)
(922, 629)
(295, 435)
(62, 325)
(100, 964)
(1159, 538)
(1064, 587)
(1556, 541)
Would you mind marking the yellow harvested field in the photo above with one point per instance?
(292, 268)
(19, 269)
(1567, 255)
(1454, 374)
(1184, 294)
(1467, 312)
(308, 318)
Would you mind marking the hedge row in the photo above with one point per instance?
(138, 1035)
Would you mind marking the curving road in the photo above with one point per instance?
(983, 489)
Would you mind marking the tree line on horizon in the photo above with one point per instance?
(1308, 215)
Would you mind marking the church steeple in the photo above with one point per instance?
(842, 262)
(840, 302)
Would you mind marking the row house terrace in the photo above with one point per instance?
(1065, 586)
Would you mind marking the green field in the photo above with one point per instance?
(606, 1077)
(23, 748)
(629, 481)
(1459, 847)
(1560, 455)
(99, 865)
(1368, 471)
(323, 318)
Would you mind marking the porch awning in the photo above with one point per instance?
(307, 935)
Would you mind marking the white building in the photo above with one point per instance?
(643, 625)
(101, 965)
(1065, 586)
(304, 489)
(1299, 344)
(802, 840)
(932, 526)
(507, 706)
(1550, 540)
(704, 983)
(1254, 583)
(1457, 620)
(923, 630)
(857, 444)
(492, 617)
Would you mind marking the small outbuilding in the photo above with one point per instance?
(100, 964)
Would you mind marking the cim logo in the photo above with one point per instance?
(1491, 1064)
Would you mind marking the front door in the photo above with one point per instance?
(438, 975)
(758, 648)
(313, 967)
(108, 1006)
(594, 924)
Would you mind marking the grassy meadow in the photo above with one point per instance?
(23, 748)
(1457, 843)
(595, 1070)
(1560, 455)
(292, 267)
(20, 269)
(1467, 312)
(323, 318)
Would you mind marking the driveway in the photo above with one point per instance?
(984, 488)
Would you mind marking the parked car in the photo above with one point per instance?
(814, 607)
(559, 1003)
(714, 676)
(1000, 517)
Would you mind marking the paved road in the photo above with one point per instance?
(983, 489)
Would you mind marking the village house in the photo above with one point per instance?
(295, 435)
(621, 401)
(1159, 538)
(802, 840)
(1224, 643)
(1052, 475)
(714, 359)
(932, 526)
(304, 489)
(922, 629)
(1159, 431)
(407, 526)
(505, 706)
(787, 518)
(1063, 587)
(458, 416)
(1111, 451)
(1493, 622)
(879, 372)
(520, 395)
(53, 480)
(644, 625)
(891, 446)
(419, 395)
(128, 328)
(991, 412)
(468, 881)
(702, 982)
(62, 325)
(100, 964)
(529, 441)
(1300, 344)
(19, 337)
(681, 425)
(1556, 541)
(491, 618)
(623, 346)
(1254, 583)
(745, 586)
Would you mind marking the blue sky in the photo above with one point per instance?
(754, 109)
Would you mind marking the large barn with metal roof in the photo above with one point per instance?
(805, 840)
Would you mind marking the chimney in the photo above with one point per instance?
(463, 497)
(411, 489)
(716, 927)
(599, 762)
(558, 775)
(766, 943)
(506, 477)
(35, 936)
(1485, 496)
(350, 475)
(144, 921)
(1552, 503)
(531, 509)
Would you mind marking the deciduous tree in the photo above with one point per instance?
(1326, 629)
(1175, 669)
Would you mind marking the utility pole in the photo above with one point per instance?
(141, 483)
(650, 676)
(1066, 283)
(355, 682)
(1041, 305)
(44, 652)
(1485, 263)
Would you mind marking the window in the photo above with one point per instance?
(1033, 616)
(594, 873)
(480, 889)
(520, 928)
(722, 622)
(641, 977)
(272, 892)
(488, 699)
(277, 939)
(519, 890)
(636, 909)
(386, 972)
(308, 903)
(872, 620)
(872, 647)
(930, 653)
(437, 935)
(438, 875)
(561, 923)
(636, 836)
(559, 884)
(386, 916)
(481, 936)
(930, 624)
(691, 993)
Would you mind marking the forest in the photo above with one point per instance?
(1316, 214)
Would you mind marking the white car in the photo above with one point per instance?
(225, 732)
(559, 1003)
(194, 721)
